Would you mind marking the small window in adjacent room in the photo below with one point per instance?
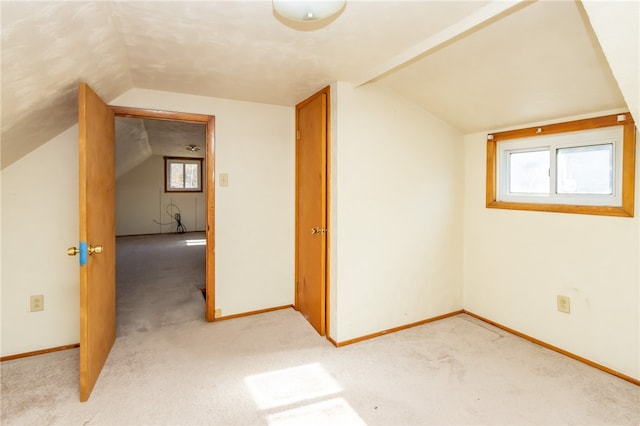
(585, 166)
(182, 174)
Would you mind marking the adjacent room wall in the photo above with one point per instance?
(255, 223)
(254, 220)
(517, 262)
(143, 207)
(396, 213)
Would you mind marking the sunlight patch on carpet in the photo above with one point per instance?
(291, 385)
(336, 411)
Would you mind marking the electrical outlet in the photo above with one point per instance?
(564, 304)
(218, 313)
(36, 303)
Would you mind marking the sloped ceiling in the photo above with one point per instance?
(534, 65)
(475, 64)
(138, 139)
(47, 48)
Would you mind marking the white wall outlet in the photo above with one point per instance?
(224, 179)
(217, 313)
(36, 303)
(564, 304)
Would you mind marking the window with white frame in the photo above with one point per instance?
(580, 168)
(585, 166)
(183, 174)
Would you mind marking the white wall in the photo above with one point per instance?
(39, 222)
(255, 214)
(254, 220)
(616, 26)
(517, 262)
(396, 219)
(140, 199)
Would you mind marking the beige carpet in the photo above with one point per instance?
(158, 281)
(273, 369)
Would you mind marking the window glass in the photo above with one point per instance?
(585, 170)
(183, 174)
(191, 176)
(583, 167)
(529, 172)
(176, 175)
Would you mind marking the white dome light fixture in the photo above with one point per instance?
(308, 10)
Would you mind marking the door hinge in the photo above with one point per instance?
(297, 134)
(322, 231)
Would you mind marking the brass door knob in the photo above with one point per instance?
(95, 249)
(72, 251)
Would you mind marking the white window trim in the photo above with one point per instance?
(168, 161)
(609, 135)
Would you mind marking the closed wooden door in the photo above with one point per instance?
(97, 236)
(311, 209)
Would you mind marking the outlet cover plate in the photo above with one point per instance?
(36, 303)
(564, 304)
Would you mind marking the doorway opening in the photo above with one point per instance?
(166, 237)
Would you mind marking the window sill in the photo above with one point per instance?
(562, 208)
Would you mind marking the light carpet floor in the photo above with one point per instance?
(159, 278)
(273, 369)
(171, 367)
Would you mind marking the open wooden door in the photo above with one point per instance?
(311, 209)
(97, 236)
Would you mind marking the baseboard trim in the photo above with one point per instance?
(246, 314)
(382, 333)
(556, 349)
(395, 329)
(160, 233)
(40, 352)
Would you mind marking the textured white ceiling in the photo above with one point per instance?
(132, 144)
(138, 139)
(538, 64)
(170, 138)
(525, 64)
(47, 48)
(238, 49)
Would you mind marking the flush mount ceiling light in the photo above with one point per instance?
(308, 10)
(192, 148)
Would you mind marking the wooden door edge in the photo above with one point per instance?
(327, 287)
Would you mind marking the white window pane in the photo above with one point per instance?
(529, 172)
(585, 170)
(191, 176)
(176, 176)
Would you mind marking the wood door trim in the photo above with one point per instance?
(300, 105)
(39, 352)
(209, 122)
(250, 313)
(187, 117)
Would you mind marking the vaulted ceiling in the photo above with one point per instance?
(476, 64)
(138, 139)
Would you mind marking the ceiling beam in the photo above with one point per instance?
(484, 16)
